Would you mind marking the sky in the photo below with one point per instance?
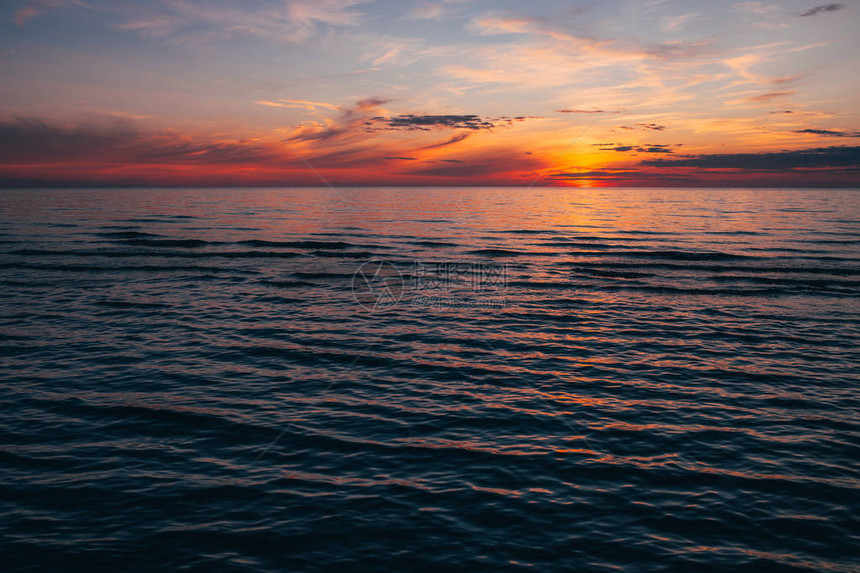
(438, 93)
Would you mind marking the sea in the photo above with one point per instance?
(429, 379)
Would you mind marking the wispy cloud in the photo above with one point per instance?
(456, 138)
(436, 10)
(676, 23)
(764, 98)
(35, 8)
(350, 122)
(299, 104)
(768, 97)
(588, 44)
(755, 7)
(761, 15)
(192, 20)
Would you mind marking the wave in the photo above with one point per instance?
(126, 235)
(123, 268)
(833, 241)
(432, 244)
(125, 304)
(785, 290)
(526, 232)
(326, 245)
(651, 233)
(675, 255)
(322, 275)
(146, 239)
(343, 254)
(497, 252)
(288, 284)
(158, 219)
(167, 243)
(812, 283)
(157, 254)
(734, 233)
(588, 244)
(745, 267)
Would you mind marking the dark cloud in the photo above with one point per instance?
(649, 176)
(836, 157)
(652, 126)
(584, 111)
(24, 139)
(830, 132)
(30, 140)
(822, 9)
(644, 127)
(402, 158)
(452, 160)
(456, 138)
(644, 148)
(414, 122)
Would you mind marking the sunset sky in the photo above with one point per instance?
(452, 92)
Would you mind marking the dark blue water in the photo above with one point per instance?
(429, 380)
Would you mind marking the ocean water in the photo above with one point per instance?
(429, 379)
